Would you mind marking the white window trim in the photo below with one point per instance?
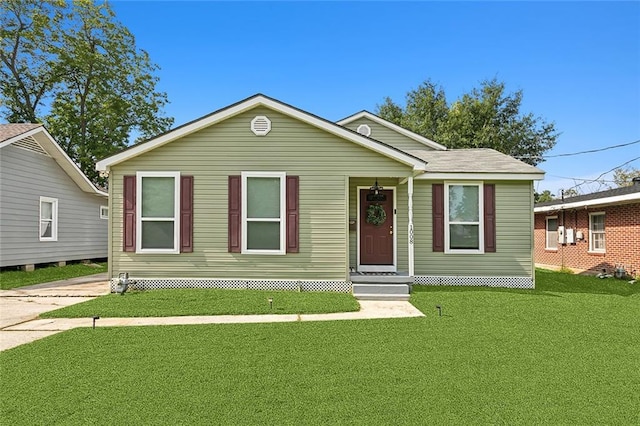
(102, 214)
(447, 242)
(54, 219)
(282, 219)
(604, 234)
(176, 213)
(546, 233)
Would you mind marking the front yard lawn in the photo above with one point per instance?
(178, 302)
(512, 357)
(15, 279)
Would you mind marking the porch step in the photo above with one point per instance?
(380, 291)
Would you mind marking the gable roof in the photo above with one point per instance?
(394, 127)
(252, 102)
(623, 195)
(471, 161)
(37, 136)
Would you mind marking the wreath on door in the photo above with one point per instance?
(376, 214)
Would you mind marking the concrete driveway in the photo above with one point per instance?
(26, 303)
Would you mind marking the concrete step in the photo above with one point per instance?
(376, 291)
(381, 279)
(390, 297)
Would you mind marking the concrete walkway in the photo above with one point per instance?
(19, 311)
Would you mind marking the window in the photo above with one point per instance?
(463, 215)
(158, 212)
(552, 233)
(48, 219)
(596, 232)
(104, 212)
(263, 212)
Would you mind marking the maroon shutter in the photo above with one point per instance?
(129, 212)
(438, 216)
(292, 214)
(235, 203)
(186, 214)
(489, 218)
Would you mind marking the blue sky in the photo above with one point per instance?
(578, 63)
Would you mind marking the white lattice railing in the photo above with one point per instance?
(300, 285)
(158, 283)
(507, 282)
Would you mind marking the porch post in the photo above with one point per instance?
(410, 230)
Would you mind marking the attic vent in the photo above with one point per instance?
(364, 129)
(30, 144)
(260, 125)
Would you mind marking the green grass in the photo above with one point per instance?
(562, 355)
(178, 302)
(14, 279)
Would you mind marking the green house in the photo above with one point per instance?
(261, 194)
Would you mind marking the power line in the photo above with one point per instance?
(592, 150)
(604, 173)
(543, 157)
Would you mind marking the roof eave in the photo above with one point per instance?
(618, 199)
(481, 176)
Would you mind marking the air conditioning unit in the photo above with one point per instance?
(562, 236)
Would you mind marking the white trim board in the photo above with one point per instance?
(587, 203)
(480, 176)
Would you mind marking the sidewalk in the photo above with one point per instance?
(20, 308)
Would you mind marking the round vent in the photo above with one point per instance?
(364, 129)
(260, 125)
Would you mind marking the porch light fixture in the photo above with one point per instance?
(439, 308)
(94, 321)
(375, 194)
(271, 303)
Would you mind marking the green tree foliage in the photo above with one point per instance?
(85, 78)
(541, 197)
(624, 176)
(486, 117)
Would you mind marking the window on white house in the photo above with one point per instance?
(48, 219)
(552, 233)
(464, 225)
(158, 212)
(104, 212)
(596, 232)
(263, 210)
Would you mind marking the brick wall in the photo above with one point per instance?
(622, 239)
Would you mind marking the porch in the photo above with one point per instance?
(381, 285)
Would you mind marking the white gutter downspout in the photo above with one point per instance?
(410, 227)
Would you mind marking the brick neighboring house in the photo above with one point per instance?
(590, 232)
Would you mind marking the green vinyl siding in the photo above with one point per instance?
(388, 136)
(514, 228)
(323, 162)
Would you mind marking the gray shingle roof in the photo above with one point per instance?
(593, 196)
(473, 160)
(8, 131)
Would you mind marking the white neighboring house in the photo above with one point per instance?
(49, 210)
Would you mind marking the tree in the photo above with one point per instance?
(102, 88)
(624, 176)
(29, 32)
(486, 117)
(541, 197)
(568, 193)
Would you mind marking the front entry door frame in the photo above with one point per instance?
(378, 268)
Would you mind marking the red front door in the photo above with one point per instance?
(376, 240)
